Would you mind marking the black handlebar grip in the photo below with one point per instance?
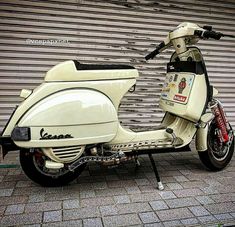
(212, 34)
(152, 54)
(155, 52)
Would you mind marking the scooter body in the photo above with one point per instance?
(76, 106)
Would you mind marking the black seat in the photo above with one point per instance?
(80, 66)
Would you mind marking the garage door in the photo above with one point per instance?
(36, 35)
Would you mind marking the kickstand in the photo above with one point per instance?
(159, 183)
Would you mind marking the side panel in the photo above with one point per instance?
(184, 94)
(70, 117)
(70, 107)
(114, 89)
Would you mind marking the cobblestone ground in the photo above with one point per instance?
(123, 196)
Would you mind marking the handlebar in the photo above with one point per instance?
(209, 33)
(205, 32)
(155, 52)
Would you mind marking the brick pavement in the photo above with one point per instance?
(123, 196)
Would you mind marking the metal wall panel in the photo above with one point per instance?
(110, 32)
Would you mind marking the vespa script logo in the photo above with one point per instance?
(45, 136)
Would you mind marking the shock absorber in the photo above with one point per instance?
(220, 119)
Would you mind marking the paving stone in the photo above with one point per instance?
(2, 210)
(158, 205)
(122, 199)
(87, 194)
(6, 192)
(212, 181)
(15, 209)
(73, 223)
(181, 202)
(172, 223)
(121, 183)
(169, 180)
(206, 219)
(188, 192)
(52, 216)
(92, 222)
(100, 185)
(220, 198)
(169, 173)
(121, 220)
(1, 178)
(133, 208)
(172, 214)
(181, 178)
(13, 200)
(145, 197)
(199, 211)
(24, 183)
(133, 190)
(142, 181)
(189, 221)
(210, 190)
(110, 192)
(173, 186)
(167, 195)
(42, 206)
(108, 210)
(88, 212)
(36, 198)
(223, 216)
(204, 199)
(7, 184)
(225, 188)
(148, 217)
(158, 224)
(112, 177)
(148, 188)
(194, 184)
(33, 225)
(21, 219)
(71, 204)
(219, 208)
(99, 201)
(62, 196)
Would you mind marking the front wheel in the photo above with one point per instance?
(217, 156)
(33, 165)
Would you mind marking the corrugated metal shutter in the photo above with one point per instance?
(110, 32)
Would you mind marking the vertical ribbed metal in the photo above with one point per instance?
(110, 32)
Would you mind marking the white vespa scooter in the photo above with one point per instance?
(71, 118)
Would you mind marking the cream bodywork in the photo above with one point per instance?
(106, 90)
(196, 99)
(111, 85)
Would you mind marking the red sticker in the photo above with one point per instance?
(180, 98)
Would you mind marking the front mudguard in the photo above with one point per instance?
(201, 138)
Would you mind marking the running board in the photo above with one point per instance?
(145, 145)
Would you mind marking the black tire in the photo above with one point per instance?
(210, 158)
(36, 174)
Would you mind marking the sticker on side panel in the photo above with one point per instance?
(182, 85)
(180, 98)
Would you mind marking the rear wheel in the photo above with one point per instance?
(33, 165)
(217, 156)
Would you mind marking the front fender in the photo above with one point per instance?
(201, 138)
